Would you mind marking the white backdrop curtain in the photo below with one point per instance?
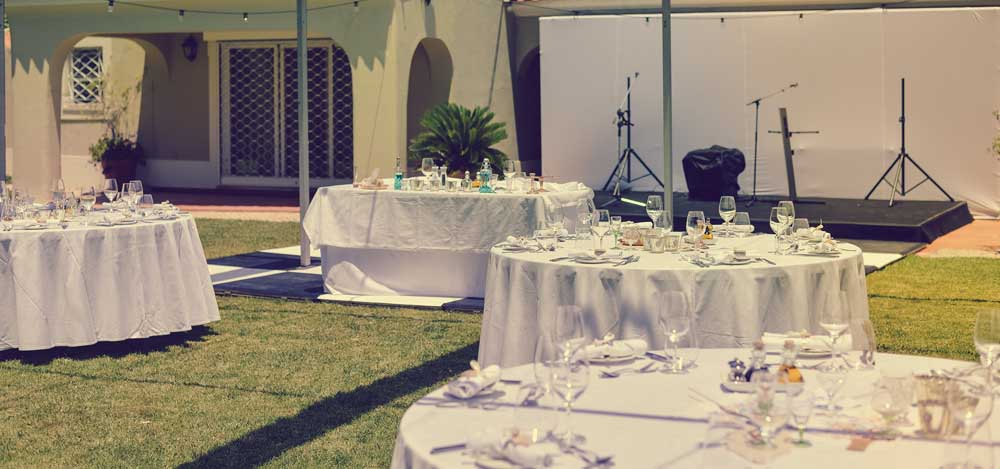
(848, 64)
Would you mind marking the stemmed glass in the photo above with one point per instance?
(654, 209)
(88, 197)
(601, 225)
(987, 338)
(427, 167)
(674, 318)
(111, 189)
(570, 376)
(970, 403)
(789, 211)
(58, 191)
(831, 379)
(695, 225)
(799, 224)
(616, 228)
(778, 220)
(892, 398)
(801, 407)
(727, 210)
(126, 196)
(136, 190)
(834, 319)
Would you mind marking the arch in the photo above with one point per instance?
(431, 72)
(528, 108)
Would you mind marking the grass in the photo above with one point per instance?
(293, 384)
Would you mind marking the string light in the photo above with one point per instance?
(356, 7)
(111, 6)
(180, 15)
(246, 17)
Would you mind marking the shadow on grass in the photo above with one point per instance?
(110, 349)
(915, 298)
(268, 442)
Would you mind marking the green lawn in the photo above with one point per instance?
(282, 383)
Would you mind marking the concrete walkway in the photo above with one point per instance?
(981, 238)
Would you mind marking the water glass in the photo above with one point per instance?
(657, 242)
(570, 376)
(741, 224)
(110, 189)
(695, 224)
(427, 166)
(987, 337)
(801, 407)
(547, 239)
(832, 377)
(601, 225)
(672, 242)
(800, 226)
(453, 185)
(727, 210)
(778, 219)
(970, 405)
(891, 399)
(654, 209)
(676, 320)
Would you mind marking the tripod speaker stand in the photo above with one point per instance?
(623, 169)
(898, 183)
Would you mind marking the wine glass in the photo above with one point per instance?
(674, 318)
(616, 228)
(800, 224)
(987, 337)
(145, 205)
(58, 191)
(584, 214)
(789, 209)
(695, 225)
(546, 354)
(891, 399)
(508, 169)
(136, 190)
(801, 407)
(88, 197)
(427, 167)
(834, 318)
(777, 219)
(570, 376)
(727, 210)
(601, 225)
(970, 403)
(832, 378)
(110, 189)
(568, 331)
(654, 209)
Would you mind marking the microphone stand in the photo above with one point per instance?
(756, 132)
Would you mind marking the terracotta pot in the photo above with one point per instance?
(122, 170)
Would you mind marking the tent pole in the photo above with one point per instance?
(305, 258)
(668, 167)
(3, 93)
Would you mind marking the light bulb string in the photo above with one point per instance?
(243, 14)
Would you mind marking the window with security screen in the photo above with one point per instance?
(87, 67)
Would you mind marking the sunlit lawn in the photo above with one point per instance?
(287, 383)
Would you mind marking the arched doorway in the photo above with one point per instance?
(430, 83)
(529, 110)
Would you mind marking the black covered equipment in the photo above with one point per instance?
(712, 172)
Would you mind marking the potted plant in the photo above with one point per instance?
(459, 138)
(117, 152)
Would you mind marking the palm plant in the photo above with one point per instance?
(460, 138)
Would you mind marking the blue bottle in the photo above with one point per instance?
(484, 175)
(397, 183)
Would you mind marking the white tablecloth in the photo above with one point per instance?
(649, 421)
(733, 305)
(390, 242)
(81, 285)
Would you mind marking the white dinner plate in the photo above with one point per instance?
(808, 352)
(612, 359)
(35, 227)
(126, 222)
(737, 261)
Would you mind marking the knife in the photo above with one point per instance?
(445, 449)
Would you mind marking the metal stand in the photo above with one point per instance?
(623, 169)
(898, 183)
(786, 139)
(756, 132)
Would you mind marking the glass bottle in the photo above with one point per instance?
(788, 372)
(444, 177)
(397, 183)
(757, 357)
(484, 176)
(466, 183)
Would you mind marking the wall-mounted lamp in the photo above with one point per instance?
(190, 48)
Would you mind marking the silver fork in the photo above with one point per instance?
(617, 373)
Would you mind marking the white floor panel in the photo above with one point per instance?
(291, 251)
(880, 260)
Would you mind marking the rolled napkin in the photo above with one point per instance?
(474, 381)
(514, 448)
(639, 225)
(616, 348)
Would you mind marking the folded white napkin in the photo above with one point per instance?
(492, 443)
(640, 225)
(819, 248)
(617, 348)
(774, 341)
(473, 382)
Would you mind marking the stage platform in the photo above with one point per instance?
(910, 221)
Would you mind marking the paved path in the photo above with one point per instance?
(981, 238)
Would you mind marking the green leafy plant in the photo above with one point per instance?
(460, 138)
(119, 139)
(996, 138)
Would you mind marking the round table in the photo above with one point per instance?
(650, 420)
(81, 285)
(733, 305)
(423, 243)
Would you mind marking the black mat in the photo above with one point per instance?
(285, 285)
(912, 221)
(262, 260)
(903, 248)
